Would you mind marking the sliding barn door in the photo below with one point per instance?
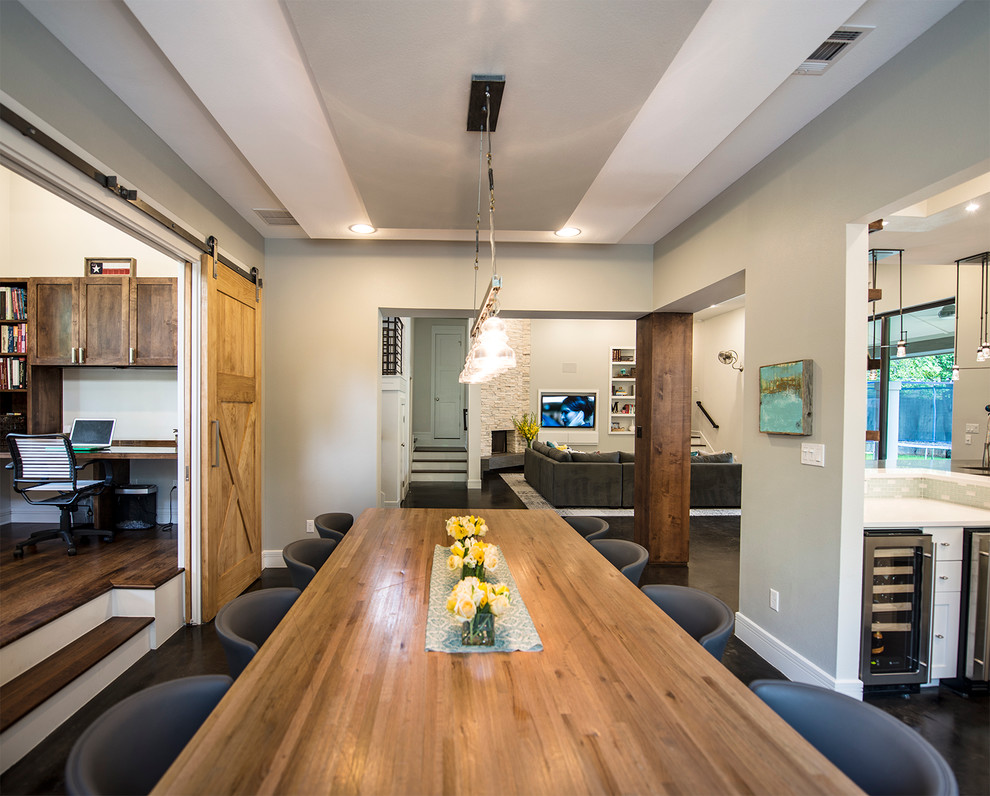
(231, 460)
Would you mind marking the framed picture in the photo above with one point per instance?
(785, 398)
(111, 266)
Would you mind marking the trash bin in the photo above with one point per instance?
(137, 506)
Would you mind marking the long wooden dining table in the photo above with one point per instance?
(344, 698)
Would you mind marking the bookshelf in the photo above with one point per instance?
(13, 358)
(622, 390)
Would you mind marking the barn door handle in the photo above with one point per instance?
(465, 419)
(216, 443)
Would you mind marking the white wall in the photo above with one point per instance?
(719, 387)
(46, 236)
(786, 221)
(322, 300)
(576, 355)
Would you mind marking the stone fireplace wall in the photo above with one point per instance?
(507, 395)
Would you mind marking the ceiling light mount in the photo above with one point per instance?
(480, 116)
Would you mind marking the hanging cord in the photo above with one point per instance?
(491, 177)
(900, 293)
(477, 221)
(955, 341)
(876, 349)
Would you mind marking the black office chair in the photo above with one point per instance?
(304, 557)
(628, 557)
(45, 463)
(881, 754)
(591, 528)
(247, 621)
(704, 617)
(131, 746)
(333, 524)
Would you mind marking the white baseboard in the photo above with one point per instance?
(790, 663)
(272, 559)
(474, 483)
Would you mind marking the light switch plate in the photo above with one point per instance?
(812, 455)
(972, 428)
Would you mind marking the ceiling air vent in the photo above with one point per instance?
(277, 218)
(829, 51)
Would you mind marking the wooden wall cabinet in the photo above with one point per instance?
(116, 321)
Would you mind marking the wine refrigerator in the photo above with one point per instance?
(897, 610)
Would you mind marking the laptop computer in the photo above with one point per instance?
(90, 434)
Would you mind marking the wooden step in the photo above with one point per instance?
(32, 688)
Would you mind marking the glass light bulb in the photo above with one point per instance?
(955, 373)
(901, 348)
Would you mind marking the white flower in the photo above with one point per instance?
(491, 558)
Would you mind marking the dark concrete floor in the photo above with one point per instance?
(957, 727)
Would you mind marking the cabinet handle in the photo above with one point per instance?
(216, 443)
(81, 354)
(130, 356)
(73, 355)
(943, 577)
(939, 635)
(944, 544)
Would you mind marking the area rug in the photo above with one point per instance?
(534, 500)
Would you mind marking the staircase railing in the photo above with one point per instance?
(705, 413)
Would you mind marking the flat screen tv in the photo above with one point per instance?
(568, 409)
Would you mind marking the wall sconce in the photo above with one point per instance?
(729, 357)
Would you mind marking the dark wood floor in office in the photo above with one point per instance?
(957, 727)
(47, 583)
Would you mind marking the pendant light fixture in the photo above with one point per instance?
(902, 339)
(490, 352)
(955, 339)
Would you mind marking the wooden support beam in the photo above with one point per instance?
(662, 496)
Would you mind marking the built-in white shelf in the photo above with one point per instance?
(622, 389)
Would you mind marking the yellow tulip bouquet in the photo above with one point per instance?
(473, 557)
(528, 426)
(468, 525)
(475, 604)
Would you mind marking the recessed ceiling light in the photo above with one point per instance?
(567, 232)
(362, 229)
(972, 207)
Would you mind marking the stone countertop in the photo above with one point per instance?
(913, 512)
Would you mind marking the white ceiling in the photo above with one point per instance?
(620, 117)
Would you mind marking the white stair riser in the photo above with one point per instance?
(419, 467)
(24, 735)
(449, 477)
(432, 456)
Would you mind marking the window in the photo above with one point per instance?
(909, 399)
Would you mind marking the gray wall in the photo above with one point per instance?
(917, 121)
(322, 342)
(41, 74)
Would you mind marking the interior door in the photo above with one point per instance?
(231, 453)
(448, 394)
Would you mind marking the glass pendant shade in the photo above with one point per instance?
(902, 348)
(955, 373)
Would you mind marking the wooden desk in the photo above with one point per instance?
(343, 698)
(120, 457)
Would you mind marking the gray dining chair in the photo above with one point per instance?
(304, 557)
(590, 528)
(628, 557)
(130, 747)
(881, 754)
(333, 524)
(704, 617)
(247, 621)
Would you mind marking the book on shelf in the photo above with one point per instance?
(13, 303)
(13, 373)
(13, 338)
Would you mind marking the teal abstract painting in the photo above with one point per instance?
(785, 398)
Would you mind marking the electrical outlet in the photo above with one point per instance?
(969, 439)
(310, 527)
(774, 600)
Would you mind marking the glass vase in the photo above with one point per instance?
(479, 632)
(477, 571)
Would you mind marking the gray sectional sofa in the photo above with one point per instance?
(605, 480)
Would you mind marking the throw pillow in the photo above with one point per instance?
(713, 458)
(540, 447)
(558, 455)
(611, 458)
(625, 457)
